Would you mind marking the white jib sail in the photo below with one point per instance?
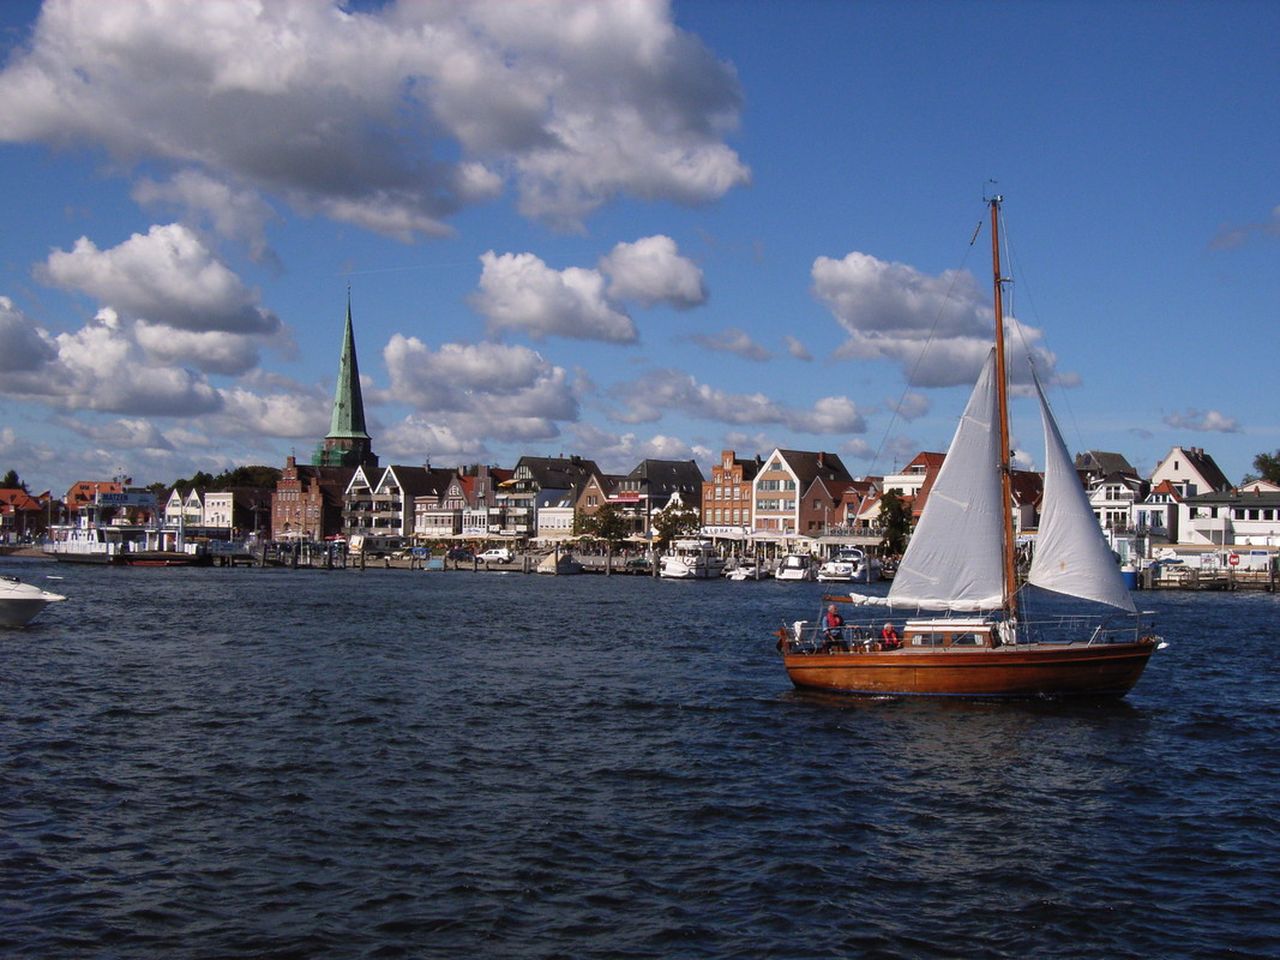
(1071, 555)
(953, 561)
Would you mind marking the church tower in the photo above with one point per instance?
(348, 443)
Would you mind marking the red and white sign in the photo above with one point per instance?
(1234, 559)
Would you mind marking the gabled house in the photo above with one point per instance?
(398, 490)
(1027, 490)
(780, 483)
(308, 502)
(22, 516)
(463, 507)
(915, 480)
(650, 486)
(599, 490)
(1113, 498)
(538, 482)
(726, 497)
(1190, 471)
(1157, 514)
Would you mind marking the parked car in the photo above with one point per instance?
(496, 555)
(460, 554)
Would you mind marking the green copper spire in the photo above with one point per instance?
(347, 422)
(347, 443)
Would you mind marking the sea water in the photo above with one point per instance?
(273, 763)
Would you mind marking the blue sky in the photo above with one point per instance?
(629, 230)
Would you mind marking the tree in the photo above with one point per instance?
(675, 522)
(1268, 467)
(895, 521)
(11, 481)
(607, 524)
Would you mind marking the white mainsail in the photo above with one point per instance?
(1071, 556)
(954, 560)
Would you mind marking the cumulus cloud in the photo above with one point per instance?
(520, 292)
(240, 215)
(393, 117)
(911, 406)
(619, 453)
(732, 340)
(101, 367)
(893, 311)
(23, 346)
(1204, 421)
(651, 271)
(123, 434)
(647, 399)
(797, 349)
(167, 276)
(474, 391)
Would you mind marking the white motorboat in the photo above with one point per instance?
(691, 560)
(20, 603)
(795, 566)
(745, 569)
(850, 565)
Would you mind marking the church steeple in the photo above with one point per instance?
(348, 443)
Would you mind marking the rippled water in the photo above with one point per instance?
(248, 763)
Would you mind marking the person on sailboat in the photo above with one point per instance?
(834, 623)
(889, 637)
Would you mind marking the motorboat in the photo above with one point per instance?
(746, 568)
(20, 603)
(849, 565)
(691, 560)
(795, 566)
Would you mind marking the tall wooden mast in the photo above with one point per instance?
(1002, 403)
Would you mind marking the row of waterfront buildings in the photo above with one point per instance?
(344, 493)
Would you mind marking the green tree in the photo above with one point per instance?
(675, 522)
(12, 481)
(1268, 467)
(895, 521)
(607, 524)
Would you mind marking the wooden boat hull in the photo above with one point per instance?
(1035, 670)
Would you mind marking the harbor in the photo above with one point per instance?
(522, 766)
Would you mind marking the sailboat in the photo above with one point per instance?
(967, 631)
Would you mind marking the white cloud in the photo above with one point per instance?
(210, 351)
(167, 276)
(619, 453)
(393, 117)
(732, 340)
(1203, 421)
(910, 406)
(101, 367)
(648, 399)
(122, 434)
(240, 215)
(520, 292)
(797, 349)
(23, 347)
(477, 391)
(894, 312)
(651, 271)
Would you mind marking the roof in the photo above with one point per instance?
(347, 421)
(1104, 463)
(808, 465)
(1027, 486)
(667, 476)
(558, 473)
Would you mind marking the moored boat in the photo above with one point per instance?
(795, 566)
(20, 603)
(691, 559)
(970, 632)
(849, 565)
